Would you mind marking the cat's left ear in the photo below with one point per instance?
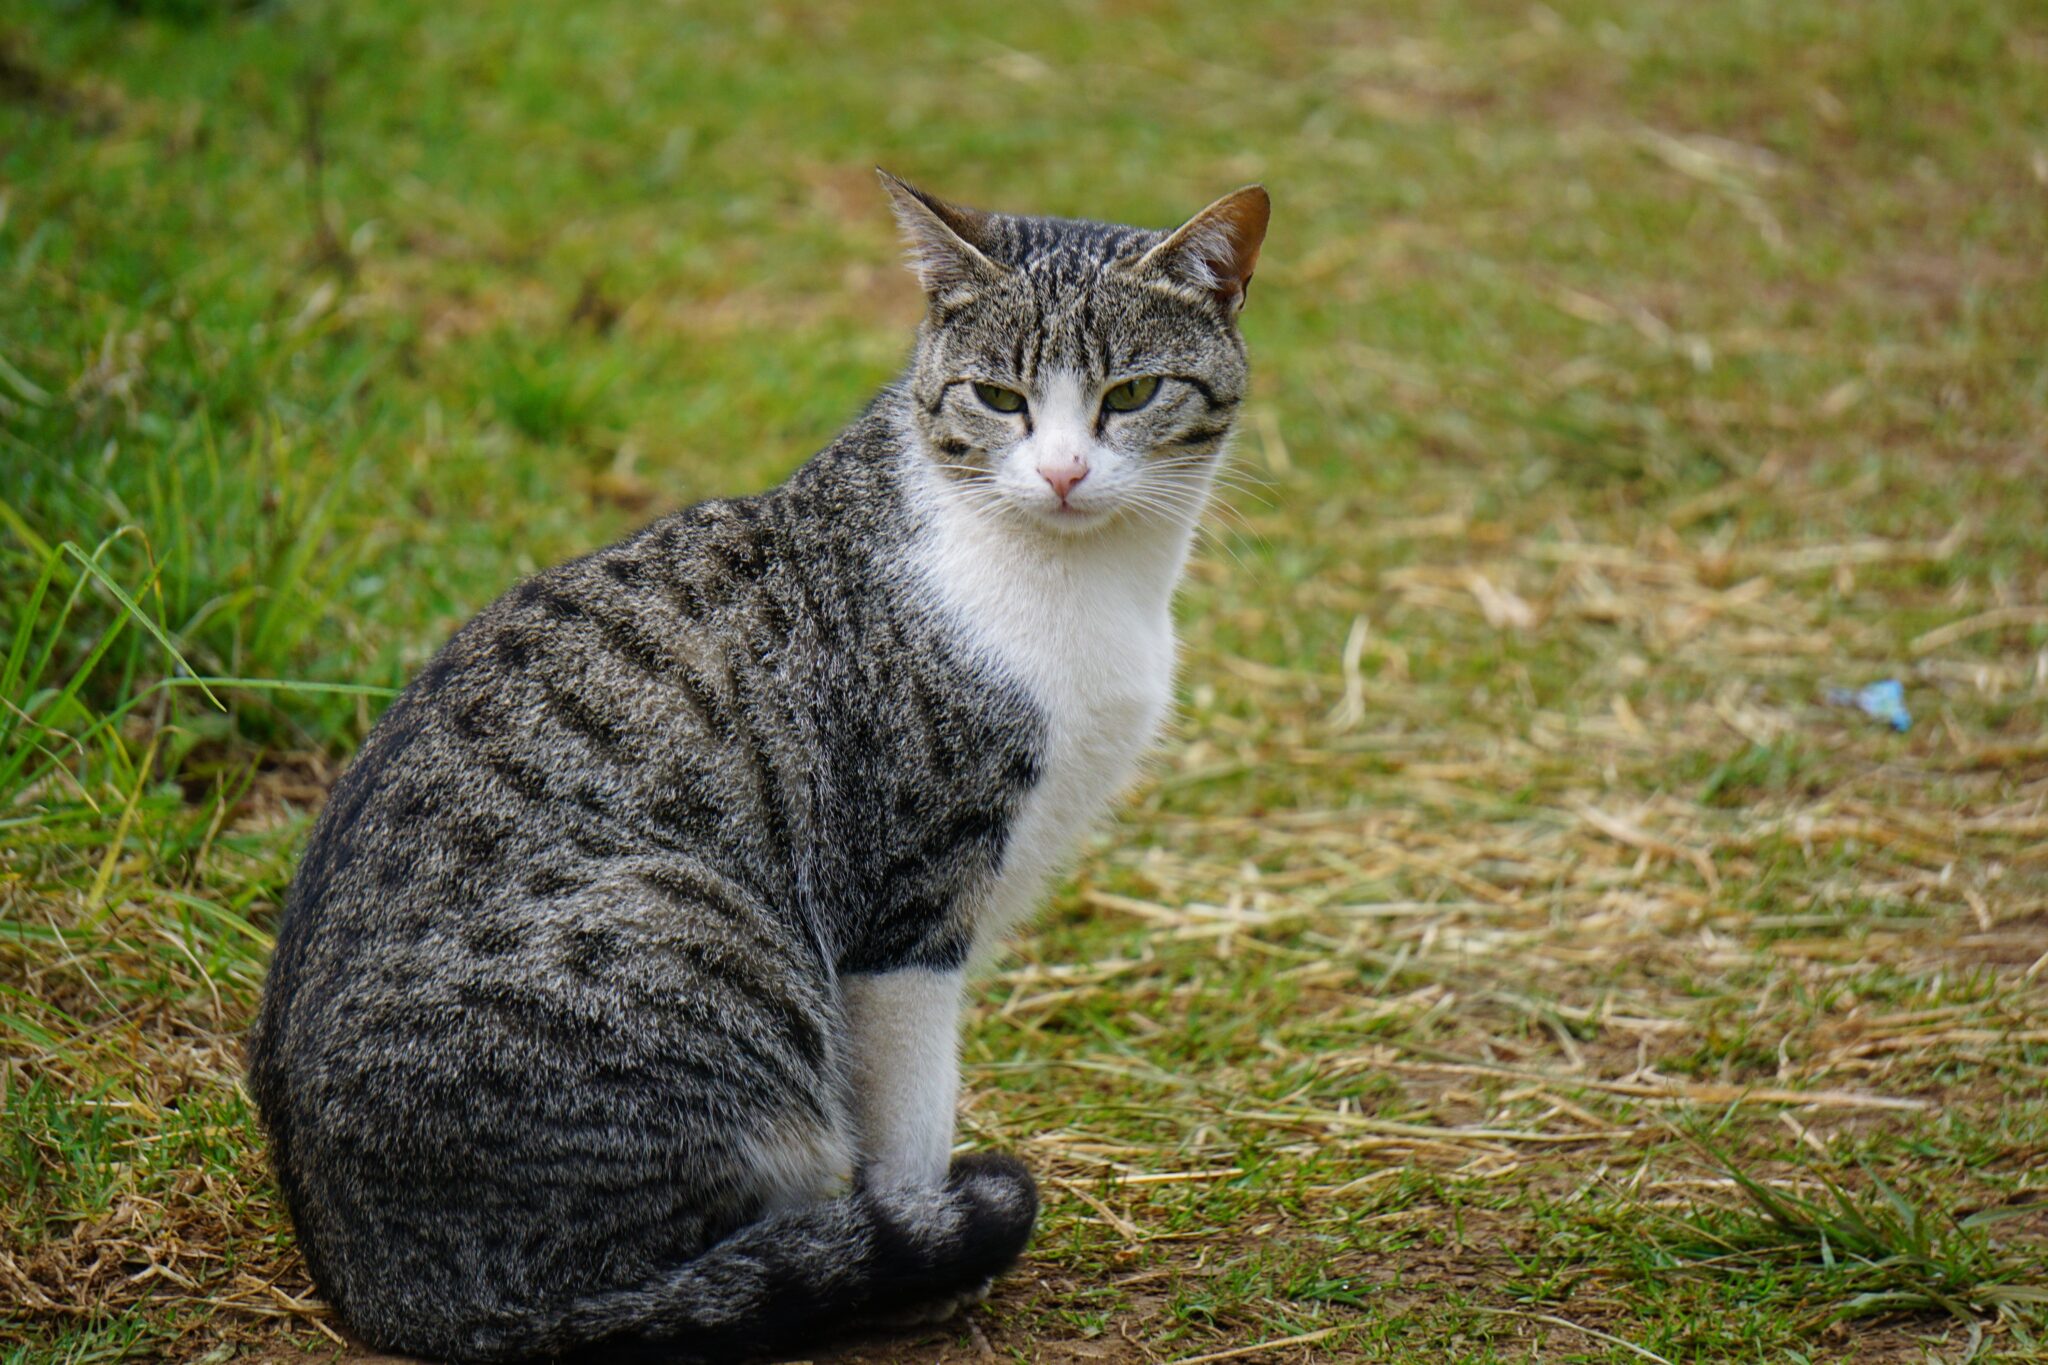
(1218, 248)
(944, 240)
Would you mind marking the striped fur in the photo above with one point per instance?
(556, 1049)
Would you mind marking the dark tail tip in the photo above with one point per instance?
(1001, 1202)
(929, 1244)
(794, 1278)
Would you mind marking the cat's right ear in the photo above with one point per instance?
(942, 239)
(1217, 249)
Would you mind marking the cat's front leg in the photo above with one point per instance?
(904, 1028)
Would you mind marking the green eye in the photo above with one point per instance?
(1132, 394)
(1002, 400)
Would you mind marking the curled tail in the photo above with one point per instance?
(785, 1279)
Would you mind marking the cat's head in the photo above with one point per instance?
(1073, 374)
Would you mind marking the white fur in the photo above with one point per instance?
(904, 1030)
(1075, 603)
(796, 1167)
(1076, 607)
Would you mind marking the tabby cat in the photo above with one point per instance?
(616, 999)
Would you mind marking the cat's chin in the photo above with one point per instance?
(1068, 520)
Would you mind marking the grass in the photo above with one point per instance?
(1511, 956)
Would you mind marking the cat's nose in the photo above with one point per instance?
(1063, 475)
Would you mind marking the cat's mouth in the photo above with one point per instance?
(1069, 518)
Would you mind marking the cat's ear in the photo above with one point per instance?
(1218, 248)
(943, 240)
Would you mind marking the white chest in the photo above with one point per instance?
(1086, 626)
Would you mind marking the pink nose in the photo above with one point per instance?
(1063, 476)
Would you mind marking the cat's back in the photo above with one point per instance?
(711, 705)
(611, 717)
(560, 710)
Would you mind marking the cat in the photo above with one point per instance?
(616, 997)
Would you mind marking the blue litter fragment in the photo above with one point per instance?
(1885, 701)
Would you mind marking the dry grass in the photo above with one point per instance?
(1513, 954)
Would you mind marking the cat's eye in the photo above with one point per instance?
(1132, 394)
(1001, 399)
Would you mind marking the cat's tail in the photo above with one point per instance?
(779, 1282)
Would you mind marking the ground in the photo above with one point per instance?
(1517, 950)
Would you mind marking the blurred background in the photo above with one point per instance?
(1636, 383)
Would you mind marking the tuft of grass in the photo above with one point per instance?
(1870, 1250)
(545, 396)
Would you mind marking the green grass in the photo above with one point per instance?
(1510, 957)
